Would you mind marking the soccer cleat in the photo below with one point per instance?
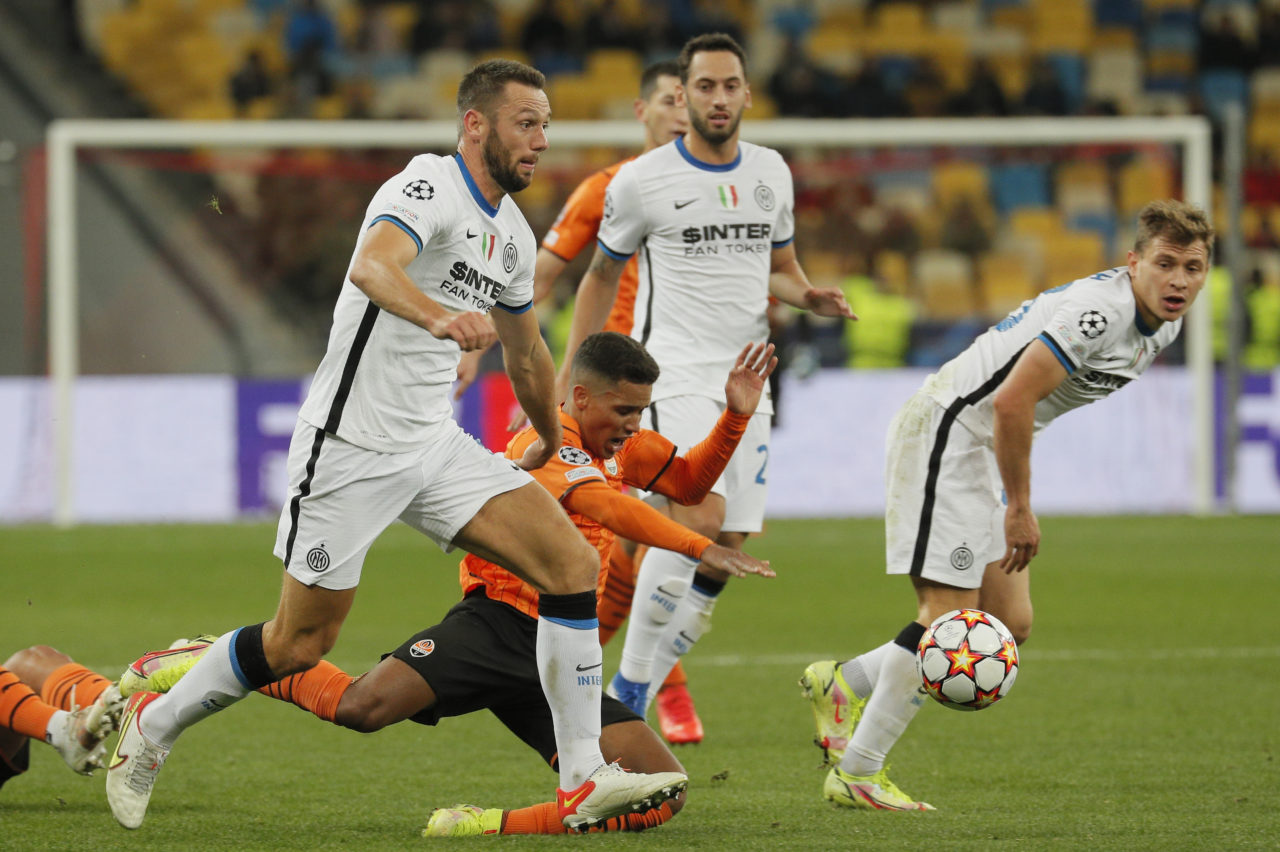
(873, 792)
(158, 671)
(677, 717)
(134, 765)
(836, 709)
(612, 791)
(463, 821)
(82, 740)
(634, 695)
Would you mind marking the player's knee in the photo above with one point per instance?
(33, 664)
(1021, 630)
(361, 711)
(580, 569)
(295, 654)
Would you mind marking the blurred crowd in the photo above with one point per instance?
(931, 244)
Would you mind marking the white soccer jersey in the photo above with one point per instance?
(1091, 325)
(384, 380)
(705, 235)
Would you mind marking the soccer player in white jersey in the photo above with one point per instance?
(958, 517)
(711, 221)
(441, 245)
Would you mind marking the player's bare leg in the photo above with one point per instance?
(527, 532)
(1008, 598)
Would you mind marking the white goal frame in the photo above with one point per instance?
(67, 137)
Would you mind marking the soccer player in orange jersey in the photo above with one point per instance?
(481, 656)
(659, 109)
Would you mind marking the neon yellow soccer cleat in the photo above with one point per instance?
(836, 709)
(872, 792)
(463, 821)
(158, 671)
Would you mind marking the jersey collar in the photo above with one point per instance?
(1143, 328)
(709, 167)
(475, 190)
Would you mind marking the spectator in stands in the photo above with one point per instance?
(1222, 45)
(1044, 94)
(547, 39)
(881, 337)
(867, 94)
(250, 82)
(441, 25)
(1268, 31)
(309, 80)
(982, 96)
(309, 27)
(607, 27)
(1262, 352)
(964, 229)
(800, 87)
(925, 92)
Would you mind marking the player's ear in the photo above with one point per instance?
(580, 395)
(474, 124)
(747, 104)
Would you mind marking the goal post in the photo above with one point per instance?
(67, 138)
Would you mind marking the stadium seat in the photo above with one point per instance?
(573, 96)
(1042, 222)
(957, 179)
(1005, 281)
(1221, 86)
(615, 65)
(1019, 185)
(1123, 13)
(1071, 74)
(944, 284)
(1071, 255)
(1114, 74)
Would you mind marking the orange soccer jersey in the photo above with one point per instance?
(576, 227)
(590, 489)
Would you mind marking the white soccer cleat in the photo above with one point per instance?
(611, 791)
(134, 765)
(82, 740)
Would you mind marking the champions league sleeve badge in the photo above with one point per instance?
(420, 190)
(1092, 324)
(573, 455)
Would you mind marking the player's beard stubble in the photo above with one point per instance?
(502, 165)
(713, 135)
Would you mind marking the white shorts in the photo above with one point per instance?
(686, 421)
(342, 497)
(944, 500)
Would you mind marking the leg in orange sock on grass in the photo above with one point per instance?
(544, 818)
(319, 689)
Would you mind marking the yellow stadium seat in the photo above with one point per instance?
(1042, 222)
(573, 97)
(1072, 255)
(960, 179)
(1005, 281)
(944, 283)
(1141, 180)
(615, 65)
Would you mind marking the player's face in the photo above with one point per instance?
(663, 114)
(716, 95)
(1167, 278)
(516, 137)
(610, 414)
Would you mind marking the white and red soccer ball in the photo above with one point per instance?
(967, 659)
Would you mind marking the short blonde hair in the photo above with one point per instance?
(1176, 221)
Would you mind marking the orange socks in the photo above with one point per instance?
(21, 710)
(318, 689)
(72, 681)
(544, 818)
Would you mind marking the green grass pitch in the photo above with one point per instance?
(1146, 714)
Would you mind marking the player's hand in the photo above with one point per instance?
(748, 377)
(518, 420)
(1022, 540)
(469, 330)
(468, 371)
(735, 562)
(537, 454)
(828, 302)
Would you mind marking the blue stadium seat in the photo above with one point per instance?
(1174, 36)
(1070, 70)
(1117, 13)
(1221, 86)
(1019, 185)
(896, 70)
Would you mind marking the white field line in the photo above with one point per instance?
(1031, 655)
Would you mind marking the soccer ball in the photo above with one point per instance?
(967, 659)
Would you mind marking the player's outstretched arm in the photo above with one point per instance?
(532, 373)
(636, 520)
(378, 270)
(789, 284)
(1032, 378)
(747, 380)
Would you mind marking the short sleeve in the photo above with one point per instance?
(1080, 328)
(622, 224)
(784, 230)
(518, 295)
(411, 202)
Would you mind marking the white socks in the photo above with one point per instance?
(862, 672)
(894, 703)
(210, 686)
(661, 585)
(691, 621)
(569, 664)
